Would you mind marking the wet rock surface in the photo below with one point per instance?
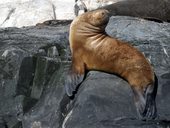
(35, 60)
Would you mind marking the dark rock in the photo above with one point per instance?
(48, 111)
(45, 67)
(54, 23)
(35, 60)
(108, 103)
(28, 103)
(10, 104)
(26, 75)
(165, 76)
(21, 53)
(53, 52)
(2, 122)
(100, 105)
(12, 122)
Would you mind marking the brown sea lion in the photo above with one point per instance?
(93, 49)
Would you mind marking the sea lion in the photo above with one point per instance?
(93, 49)
(156, 10)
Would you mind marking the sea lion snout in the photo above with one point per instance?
(99, 17)
(102, 13)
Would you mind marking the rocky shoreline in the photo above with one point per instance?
(34, 61)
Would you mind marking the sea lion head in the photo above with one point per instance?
(96, 18)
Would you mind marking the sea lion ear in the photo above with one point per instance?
(72, 82)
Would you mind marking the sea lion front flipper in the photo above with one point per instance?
(73, 79)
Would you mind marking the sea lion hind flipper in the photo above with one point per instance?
(145, 103)
(72, 81)
(150, 109)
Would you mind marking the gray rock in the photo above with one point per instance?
(35, 60)
(102, 103)
(22, 76)
(48, 110)
(108, 103)
(45, 67)
(26, 75)
(19, 13)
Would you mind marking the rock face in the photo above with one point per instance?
(34, 62)
(95, 103)
(20, 13)
(28, 58)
